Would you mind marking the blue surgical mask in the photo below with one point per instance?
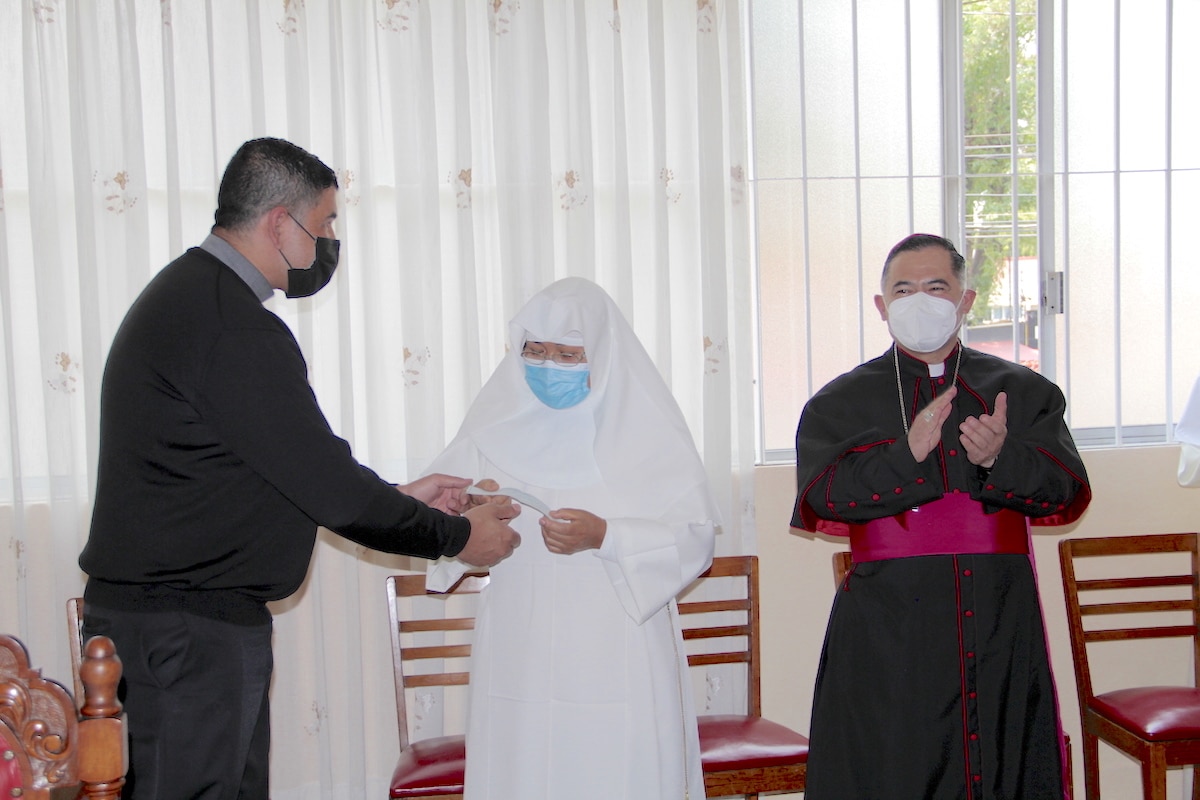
(557, 386)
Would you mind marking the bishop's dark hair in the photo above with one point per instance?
(919, 241)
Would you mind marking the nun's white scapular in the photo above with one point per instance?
(579, 683)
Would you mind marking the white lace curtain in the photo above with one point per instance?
(484, 148)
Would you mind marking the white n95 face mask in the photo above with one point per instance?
(922, 323)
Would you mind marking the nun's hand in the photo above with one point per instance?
(571, 530)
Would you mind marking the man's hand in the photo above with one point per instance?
(926, 430)
(571, 530)
(443, 492)
(983, 436)
(488, 485)
(492, 540)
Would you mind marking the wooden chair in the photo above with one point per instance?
(433, 767)
(741, 754)
(841, 565)
(75, 640)
(48, 749)
(1157, 725)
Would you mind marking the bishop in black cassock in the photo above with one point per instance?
(935, 679)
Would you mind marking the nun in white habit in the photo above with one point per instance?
(579, 683)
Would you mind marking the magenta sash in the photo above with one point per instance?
(953, 525)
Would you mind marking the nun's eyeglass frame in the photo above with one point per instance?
(562, 359)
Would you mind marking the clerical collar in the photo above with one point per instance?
(228, 255)
(940, 370)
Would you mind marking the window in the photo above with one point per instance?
(1051, 141)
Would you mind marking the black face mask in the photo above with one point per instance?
(307, 282)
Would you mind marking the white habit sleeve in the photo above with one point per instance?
(650, 562)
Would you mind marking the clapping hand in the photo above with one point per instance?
(983, 436)
(926, 430)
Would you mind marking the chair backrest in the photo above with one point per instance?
(1137, 594)
(417, 617)
(75, 640)
(721, 610)
(430, 640)
(57, 750)
(841, 565)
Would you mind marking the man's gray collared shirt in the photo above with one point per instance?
(228, 255)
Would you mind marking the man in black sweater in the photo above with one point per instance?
(216, 467)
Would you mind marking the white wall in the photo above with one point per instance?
(1134, 491)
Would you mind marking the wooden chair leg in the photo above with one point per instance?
(1091, 766)
(1195, 783)
(1154, 775)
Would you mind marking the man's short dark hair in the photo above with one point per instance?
(919, 241)
(265, 173)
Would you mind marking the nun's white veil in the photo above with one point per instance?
(628, 433)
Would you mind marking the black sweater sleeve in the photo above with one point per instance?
(257, 395)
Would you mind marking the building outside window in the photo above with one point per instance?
(1054, 142)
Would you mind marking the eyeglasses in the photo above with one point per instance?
(536, 355)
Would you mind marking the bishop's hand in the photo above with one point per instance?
(983, 436)
(926, 430)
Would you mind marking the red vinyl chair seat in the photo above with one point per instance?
(431, 767)
(727, 742)
(1156, 713)
(734, 741)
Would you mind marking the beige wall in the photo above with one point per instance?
(1134, 491)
